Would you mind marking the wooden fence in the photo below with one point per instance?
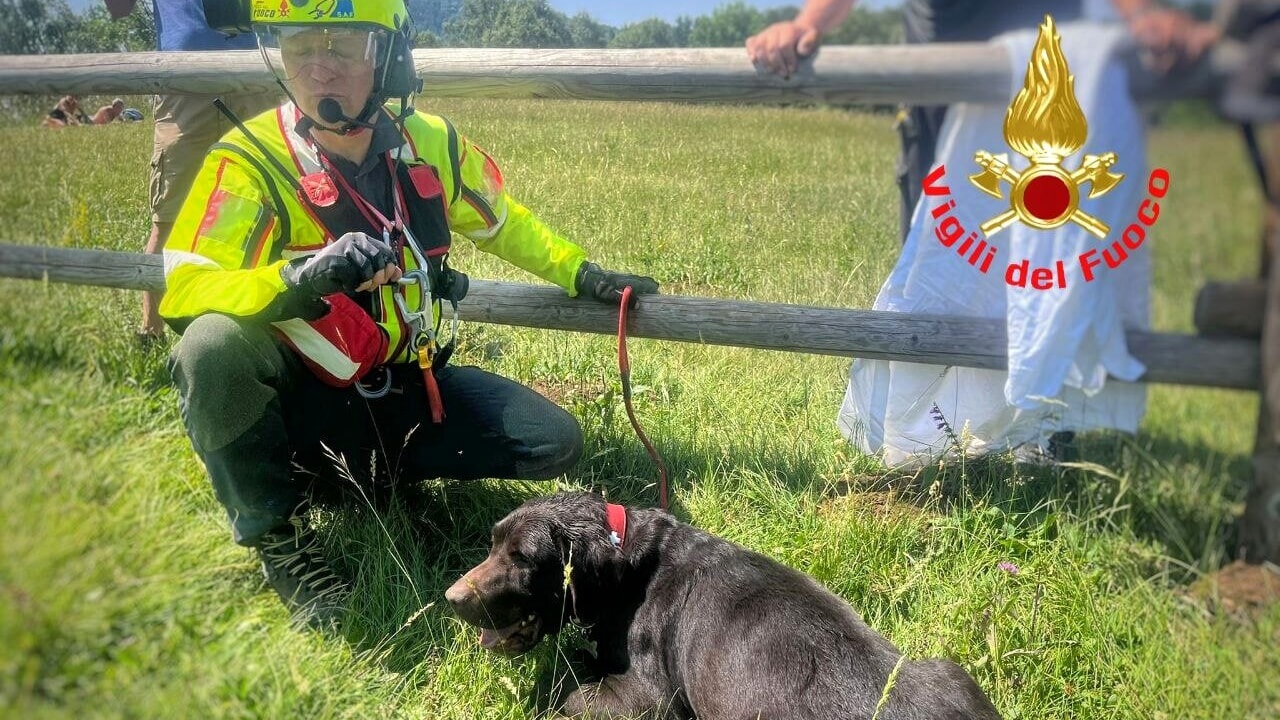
(933, 339)
(840, 75)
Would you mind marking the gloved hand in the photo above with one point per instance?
(347, 265)
(596, 282)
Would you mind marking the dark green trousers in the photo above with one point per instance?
(261, 422)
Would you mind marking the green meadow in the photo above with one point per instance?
(122, 595)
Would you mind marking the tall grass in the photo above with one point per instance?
(121, 594)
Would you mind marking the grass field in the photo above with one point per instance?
(122, 595)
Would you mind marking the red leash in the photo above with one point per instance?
(624, 369)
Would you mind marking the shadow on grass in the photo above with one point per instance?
(1184, 496)
(1180, 497)
(29, 352)
(625, 472)
(116, 359)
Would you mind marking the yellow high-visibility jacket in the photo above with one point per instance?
(243, 220)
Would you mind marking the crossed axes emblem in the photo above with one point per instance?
(1045, 195)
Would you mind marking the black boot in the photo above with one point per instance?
(299, 573)
(1063, 447)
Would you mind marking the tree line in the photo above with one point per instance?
(33, 27)
(30, 27)
(50, 26)
(535, 24)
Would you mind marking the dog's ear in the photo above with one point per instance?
(592, 568)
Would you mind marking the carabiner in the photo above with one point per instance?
(423, 281)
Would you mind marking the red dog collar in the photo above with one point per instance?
(617, 517)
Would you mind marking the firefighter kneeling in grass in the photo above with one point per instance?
(308, 275)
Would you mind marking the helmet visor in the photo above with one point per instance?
(292, 50)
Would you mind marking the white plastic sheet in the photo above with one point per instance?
(1062, 343)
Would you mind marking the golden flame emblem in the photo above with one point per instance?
(1046, 125)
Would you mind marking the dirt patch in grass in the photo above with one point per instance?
(1240, 589)
(567, 393)
(882, 505)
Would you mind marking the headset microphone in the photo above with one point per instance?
(330, 111)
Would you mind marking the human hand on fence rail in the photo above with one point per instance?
(1170, 38)
(780, 47)
(605, 286)
(354, 262)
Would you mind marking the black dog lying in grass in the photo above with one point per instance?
(687, 624)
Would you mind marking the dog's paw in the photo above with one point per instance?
(579, 701)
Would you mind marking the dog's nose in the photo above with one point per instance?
(460, 593)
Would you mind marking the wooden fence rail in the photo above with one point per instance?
(932, 339)
(841, 75)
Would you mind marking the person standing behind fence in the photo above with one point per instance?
(1169, 38)
(894, 411)
(186, 126)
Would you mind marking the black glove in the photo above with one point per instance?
(342, 266)
(600, 284)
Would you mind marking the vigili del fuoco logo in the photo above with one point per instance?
(1045, 125)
